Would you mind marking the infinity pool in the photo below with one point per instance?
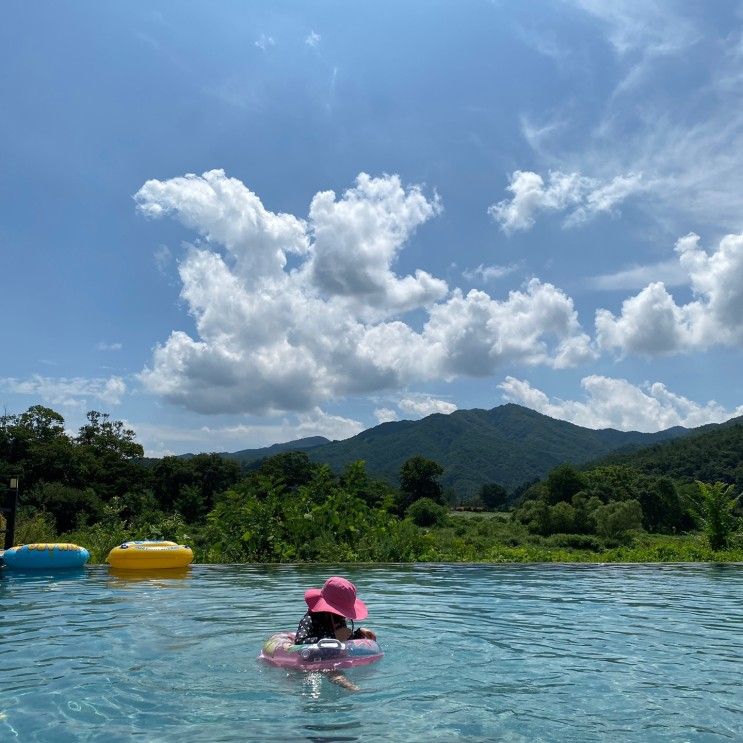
(514, 653)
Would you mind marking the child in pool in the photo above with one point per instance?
(328, 608)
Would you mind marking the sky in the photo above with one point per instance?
(231, 224)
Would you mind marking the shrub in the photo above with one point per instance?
(426, 512)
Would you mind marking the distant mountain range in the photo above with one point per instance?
(509, 445)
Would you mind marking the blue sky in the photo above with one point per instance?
(231, 224)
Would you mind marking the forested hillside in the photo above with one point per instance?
(711, 454)
(508, 445)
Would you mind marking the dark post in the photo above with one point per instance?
(11, 506)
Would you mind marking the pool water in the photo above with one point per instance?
(513, 653)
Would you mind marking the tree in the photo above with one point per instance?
(425, 512)
(617, 518)
(661, 506)
(108, 456)
(562, 518)
(563, 483)
(292, 468)
(493, 496)
(714, 508)
(419, 478)
(69, 507)
(34, 445)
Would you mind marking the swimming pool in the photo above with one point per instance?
(517, 653)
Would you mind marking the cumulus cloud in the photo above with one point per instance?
(226, 213)
(312, 39)
(582, 198)
(616, 403)
(68, 392)
(420, 406)
(319, 423)
(270, 338)
(652, 323)
(159, 440)
(385, 415)
(358, 237)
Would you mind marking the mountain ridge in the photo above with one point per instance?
(508, 444)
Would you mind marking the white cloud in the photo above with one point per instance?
(227, 213)
(159, 441)
(312, 39)
(385, 415)
(423, 405)
(636, 277)
(103, 346)
(651, 323)
(686, 139)
(650, 27)
(68, 392)
(486, 274)
(273, 339)
(359, 236)
(265, 42)
(580, 197)
(616, 403)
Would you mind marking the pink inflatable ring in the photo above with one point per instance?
(326, 655)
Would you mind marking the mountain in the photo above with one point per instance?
(710, 453)
(509, 445)
(246, 456)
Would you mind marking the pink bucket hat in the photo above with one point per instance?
(338, 596)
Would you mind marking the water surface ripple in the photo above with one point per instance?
(473, 652)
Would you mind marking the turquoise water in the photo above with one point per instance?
(513, 653)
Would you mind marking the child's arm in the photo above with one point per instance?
(340, 678)
(365, 633)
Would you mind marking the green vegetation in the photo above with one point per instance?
(508, 445)
(710, 454)
(95, 489)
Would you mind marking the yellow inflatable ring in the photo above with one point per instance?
(150, 555)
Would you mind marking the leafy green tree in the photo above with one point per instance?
(35, 446)
(425, 512)
(109, 456)
(617, 518)
(69, 507)
(563, 483)
(661, 505)
(715, 506)
(562, 518)
(535, 515)
(419, 478)
(292, 468)
(493, 496)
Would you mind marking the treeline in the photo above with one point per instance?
(94, 488)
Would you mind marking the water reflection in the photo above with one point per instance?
(144, 576)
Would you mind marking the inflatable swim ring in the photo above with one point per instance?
(326, 655)
(51, 556)
(149, 556)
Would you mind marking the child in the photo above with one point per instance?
(327, 611)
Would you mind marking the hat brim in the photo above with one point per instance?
(315, 602)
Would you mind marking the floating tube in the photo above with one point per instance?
(46, 556)
(326, 655)
(149, 556)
